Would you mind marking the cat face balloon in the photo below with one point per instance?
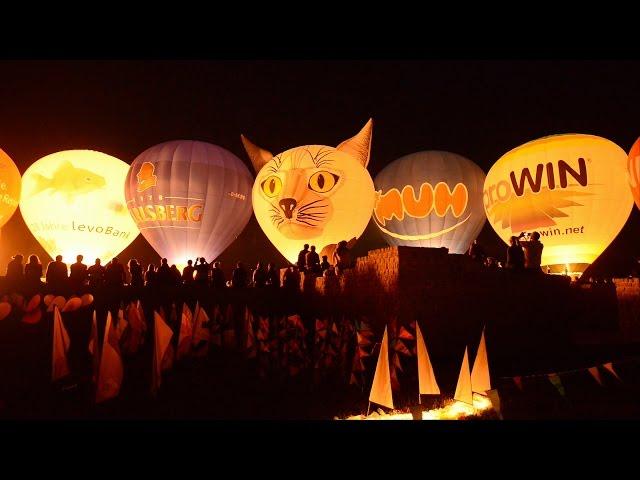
(313, 194)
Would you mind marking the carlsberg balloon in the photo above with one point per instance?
(190, 199)
(572, 189)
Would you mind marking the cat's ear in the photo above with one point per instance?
(359, 146)
(258, 156)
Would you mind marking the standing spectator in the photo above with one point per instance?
(57, 276)
(476, 252)
(33, 274)
(176, 276)
(150, 276)
(115, 274)
(218, 279)
(15, 273)
(532, 252)
(135, 269)
(342, 257)
(239, 276)
(324, 265)
(78, 275)
(96, 275)
(187, 273)
(515, 255)
(312, 261)
(302, 258)
(164, 276)
(291, 280)
(259, 276)
(202, 272)
(273, 276)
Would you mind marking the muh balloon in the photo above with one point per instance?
(313, 194)
(633, 167)
(190, 199)
(73, 203)
(572, 189)
(430, 199)
(9, 188)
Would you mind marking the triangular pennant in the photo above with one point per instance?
(201, 333)
(396, 362)
(363, 340)
(480, 380)
(609, 366)
(400, 347)
(427, 384)
(111, 370)
(186, 332)
(381, 386)
(554, 378)
(495, 402)
(463, 388)
(59, 364)
(595, 373)
(405, 334)
(518, 382)
(163, 334)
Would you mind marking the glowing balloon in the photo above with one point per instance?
(9, 188)
(313, 194)
(572, 189)
(430, 199)
(190, 199)
(73, 203)
(633, 166)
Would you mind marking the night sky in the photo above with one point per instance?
(479, 109)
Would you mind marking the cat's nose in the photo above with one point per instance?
(288, 205)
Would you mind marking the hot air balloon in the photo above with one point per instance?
(313, 194)
(190, 199)
(572, 189)
(430, 199)
(73, 203)
(633, 166)
(9, 188)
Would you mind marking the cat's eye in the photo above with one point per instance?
(322, 182)
(271, 186)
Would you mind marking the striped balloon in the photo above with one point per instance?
(189, 199)
(430, 199)
(633, 166)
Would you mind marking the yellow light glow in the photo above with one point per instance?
(9, 188)
(572, 189)
(73, 202)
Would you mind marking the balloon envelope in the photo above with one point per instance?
(73, 203)
(572, 189)
(190, 199)
(633, 166)
(9, 187)
(430, 199)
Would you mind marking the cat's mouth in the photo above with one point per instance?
(291, 228)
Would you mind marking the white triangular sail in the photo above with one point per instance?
(480, 380)
(463, 389)
(162, 355)
(426, 379)
(381, 387)
(59, 364)
(186, 332)
(111, 370)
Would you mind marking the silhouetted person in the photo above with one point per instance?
(33, 274)
(187, 273)
(239, 276)
(273, 276)
(342, 257)
(96, 275)
(202, 272)
(291, 280)
(135, 269)
(324, 265)
(151, 276)
(515, 255)
(302, 258)
(115, 274)
(176, 276)
(77, 275)
(15, 273)
(259, 276)
(312, 261)
(476, 252)
(532, 252)
(218, 279)
(57, 276)
(164, 276)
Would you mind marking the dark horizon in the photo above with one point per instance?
(479, 109)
